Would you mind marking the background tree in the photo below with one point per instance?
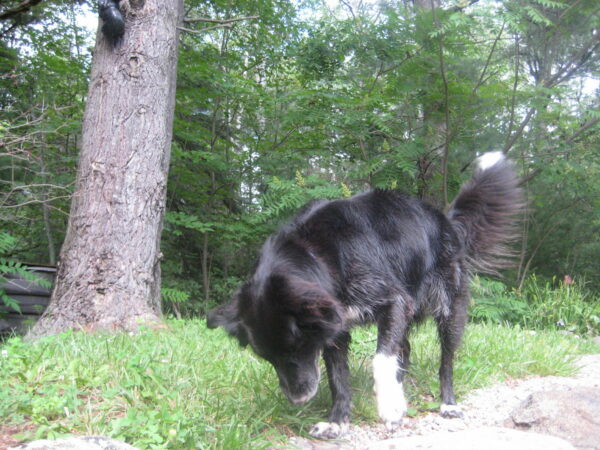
(109, 272)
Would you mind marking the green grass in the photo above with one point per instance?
(189, 387)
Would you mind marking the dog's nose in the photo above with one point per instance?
(300, 400)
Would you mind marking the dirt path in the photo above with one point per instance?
(489, 407)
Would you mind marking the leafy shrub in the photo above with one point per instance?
(564, 306)
(494, 302)
(547, 305)
(9, 266)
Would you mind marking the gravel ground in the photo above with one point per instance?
(485, 407)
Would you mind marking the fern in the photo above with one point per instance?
(189, 221)
(12, 267)
(537, 17)
(284, 197)
(174, 295)
(493, 302)
(551, 4)
(7, 243)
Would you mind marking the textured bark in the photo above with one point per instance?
(109, 266)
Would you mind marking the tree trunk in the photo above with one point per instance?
(109, 267)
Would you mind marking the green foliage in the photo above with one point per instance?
(284, 197)
(538, 305)
(190, 387)
(321, 102)
(44, 61)
(494, 302)
(174, 295)
(561, 306)
(9, 266)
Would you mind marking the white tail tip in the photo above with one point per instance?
(489, 159)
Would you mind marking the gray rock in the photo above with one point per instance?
(76, 443)
(488, 438)
(571, 414)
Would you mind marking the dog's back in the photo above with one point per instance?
(376, 246)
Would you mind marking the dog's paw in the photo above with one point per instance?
(391, 406)
(393, 420)
(391, 410)
(451, 411)
(328, 430)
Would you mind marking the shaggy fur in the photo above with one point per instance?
(381, 257)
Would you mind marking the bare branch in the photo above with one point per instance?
(37, 201)
(219, 21)
(489, 58)
(462, 7)
(517, 134)
(203, 30)
(19, 9)
(576, 62)
(586, 126)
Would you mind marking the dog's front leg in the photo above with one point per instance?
(392, 344)
(336, 362)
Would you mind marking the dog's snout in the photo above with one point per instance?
(298, 381)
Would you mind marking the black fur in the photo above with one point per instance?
(113, 23)
(379, 256)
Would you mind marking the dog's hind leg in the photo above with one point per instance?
(336, 362)
(393, 325)
(450, 330)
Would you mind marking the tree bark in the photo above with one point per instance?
(109, 267)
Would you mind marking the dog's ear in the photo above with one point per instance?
(314, 309)
(228, 317)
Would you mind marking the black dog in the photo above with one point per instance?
(380, 257)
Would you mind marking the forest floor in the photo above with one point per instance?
(487, 407)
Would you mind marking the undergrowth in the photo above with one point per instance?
(189, 387)
(538, 305)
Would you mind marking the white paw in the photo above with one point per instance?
(451, 411)
(328, 430)
(391, 406)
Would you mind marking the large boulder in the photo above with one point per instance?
(488, 438)
(572, 414)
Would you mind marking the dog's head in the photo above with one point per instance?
(287, 321)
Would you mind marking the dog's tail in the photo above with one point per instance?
(486, 213)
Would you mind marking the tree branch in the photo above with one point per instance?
(489, 58)
(586, 126)
(204, 30)
(575, 63)
(19, 9)
(462, 7)
(517, 134)
(218, 21)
